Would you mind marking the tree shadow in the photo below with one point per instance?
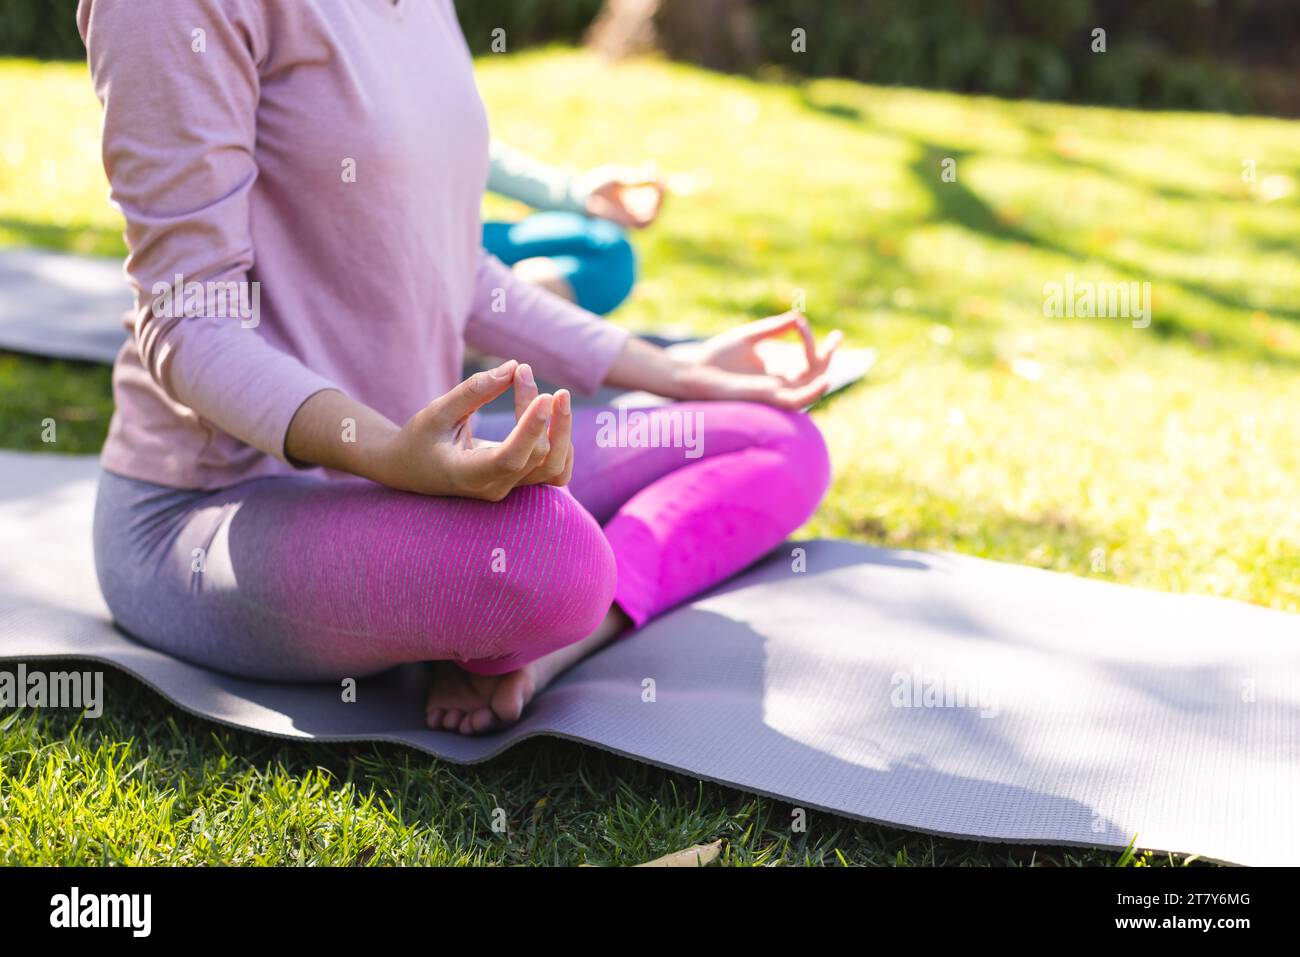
(1109, 172)
(956, 203)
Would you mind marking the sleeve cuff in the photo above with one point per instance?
(252, 393)
(576, 194)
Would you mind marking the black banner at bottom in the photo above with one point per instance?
(335, 906)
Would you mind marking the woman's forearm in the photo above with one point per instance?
(644, 365)
(516, 175)
(336, 431)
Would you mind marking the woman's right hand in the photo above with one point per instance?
(623, 195)
(435, 453)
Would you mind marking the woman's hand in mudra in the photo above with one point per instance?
(746, 363)
(623, 195)
(435, 453)
(754, 349)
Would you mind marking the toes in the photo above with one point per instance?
(473, 704)
(482, 720)
(476, 722)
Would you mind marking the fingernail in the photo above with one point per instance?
(505, 370)
(526, 373)
(562, 403)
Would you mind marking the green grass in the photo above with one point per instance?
(1166, 457)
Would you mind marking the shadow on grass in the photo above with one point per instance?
(955, 203)
(77, 395)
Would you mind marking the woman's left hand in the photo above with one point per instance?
(737, 365)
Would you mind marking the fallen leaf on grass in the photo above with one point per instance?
(701, 855)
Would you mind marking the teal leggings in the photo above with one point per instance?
(593, 255)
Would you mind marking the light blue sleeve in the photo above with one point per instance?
(516, 175)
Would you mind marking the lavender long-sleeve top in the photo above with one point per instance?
(334, 153)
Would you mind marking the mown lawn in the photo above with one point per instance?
(1164, 457)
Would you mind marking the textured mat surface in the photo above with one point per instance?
(62, 306)
(937, 692)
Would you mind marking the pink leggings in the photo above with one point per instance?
(302, 578)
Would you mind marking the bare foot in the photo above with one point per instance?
(473, 704)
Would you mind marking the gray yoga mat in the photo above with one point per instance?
(62, 306)
(935, 692)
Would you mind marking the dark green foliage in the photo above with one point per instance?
(44, 29)
(526, 22)
(1158, 54)
(1231, 55)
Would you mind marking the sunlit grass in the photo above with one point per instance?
(1166, 457)
(52, 186)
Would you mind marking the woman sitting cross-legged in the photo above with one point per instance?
(300, 488)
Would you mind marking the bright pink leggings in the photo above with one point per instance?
(298, 578)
